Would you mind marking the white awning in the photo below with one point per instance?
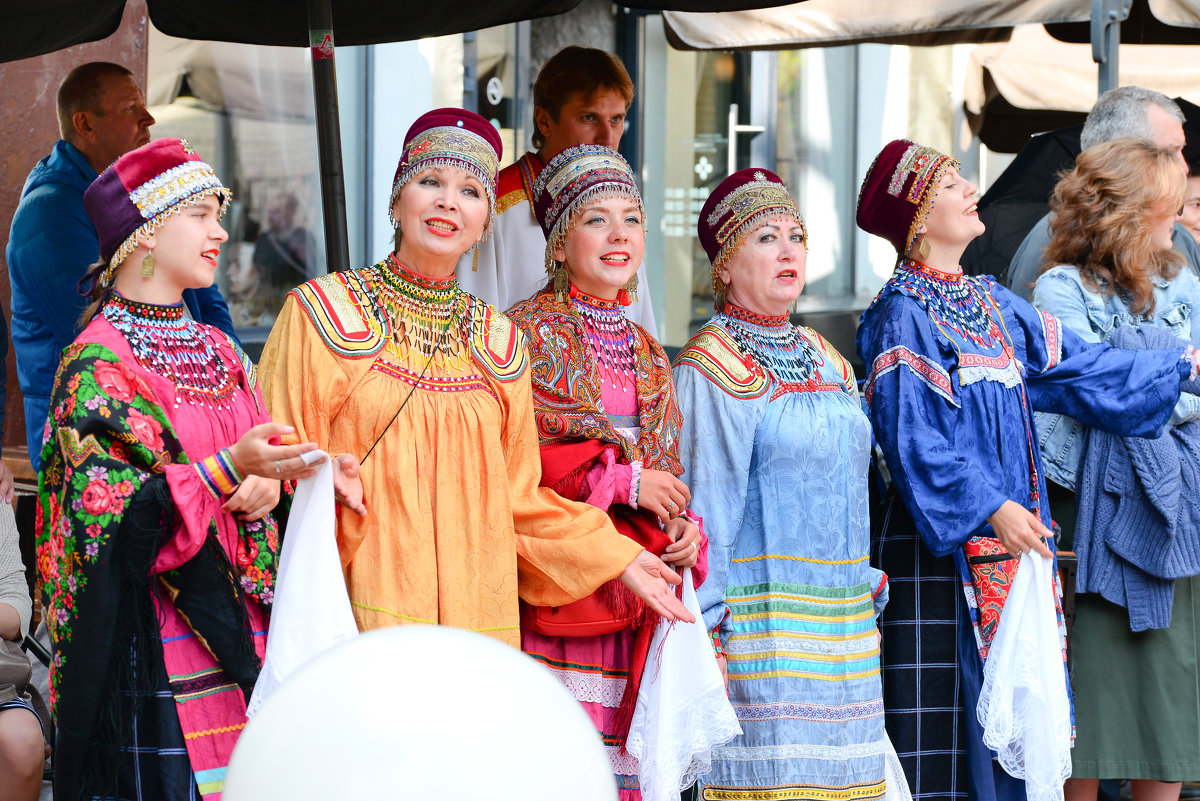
(1180, 13)
(1034, 72)
(817, 23)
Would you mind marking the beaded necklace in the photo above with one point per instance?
(952, 301)
(424, 313)
(611, 338)
(773, 342)
(166, 343)
(957, 303)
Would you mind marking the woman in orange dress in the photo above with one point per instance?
(423, 392)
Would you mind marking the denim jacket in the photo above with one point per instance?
(1094, 316)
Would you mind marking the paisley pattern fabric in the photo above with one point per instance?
(567, 390)
(780, 480)
(457, 525)
(141, 570)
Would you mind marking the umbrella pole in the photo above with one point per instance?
(1107, 16)
(329, 134)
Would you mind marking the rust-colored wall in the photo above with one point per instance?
(28, 129)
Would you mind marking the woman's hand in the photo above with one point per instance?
(723, 666)
(254, 498)
(256, 456)
(347, 484)
(663, 494)
(650, 579)
(1019, 530)
(684, 549)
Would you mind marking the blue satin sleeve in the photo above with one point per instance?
(716, 446)
(936, 454)
(1123, 392)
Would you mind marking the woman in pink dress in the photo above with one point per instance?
(156, 542)
(609, 430)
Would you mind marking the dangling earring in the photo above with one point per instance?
(562, 284)
(148, 264)
(475, 257)
(923, 248)
(630, 288)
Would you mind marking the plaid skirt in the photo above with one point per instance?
(154, 765)
(931, 669)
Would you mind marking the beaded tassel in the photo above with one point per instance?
(164, 342)
(773, 342)
(611, 338)
(951, 300)
(424, 314)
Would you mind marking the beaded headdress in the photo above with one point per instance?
(898, 191)
(570, 181)
(743, 202)
(450, 138)
(134, 196)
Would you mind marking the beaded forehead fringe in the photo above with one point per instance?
(768, 200)
(928, 189)
(566, 220)
(151, 199)
(477, 160)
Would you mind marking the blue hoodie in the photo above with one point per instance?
(51, 244)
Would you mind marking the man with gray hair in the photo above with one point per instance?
(1128, 112)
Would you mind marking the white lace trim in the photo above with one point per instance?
(682, 711)
(592, 688)
(1009, 375)
(623, 763)
(893, 774)
(763, 753)
(1023, 706)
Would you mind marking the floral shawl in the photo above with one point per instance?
(106, 512)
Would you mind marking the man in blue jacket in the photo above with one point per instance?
(101, 116)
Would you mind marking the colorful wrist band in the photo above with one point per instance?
(220, 473)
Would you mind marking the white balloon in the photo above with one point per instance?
(420, 712)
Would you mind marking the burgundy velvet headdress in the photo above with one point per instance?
(571, 180)
(899, 190)
(455, 138)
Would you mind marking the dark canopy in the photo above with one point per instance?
(35, 28)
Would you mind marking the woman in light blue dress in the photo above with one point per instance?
(775, 449)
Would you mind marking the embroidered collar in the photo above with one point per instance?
(611, 338)
(772, 342)
(953, 302)
(422, 312)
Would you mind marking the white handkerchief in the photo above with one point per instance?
(311, 612)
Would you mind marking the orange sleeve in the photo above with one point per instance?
(303, 386)
(565, 549)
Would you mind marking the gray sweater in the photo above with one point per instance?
(1138, 529)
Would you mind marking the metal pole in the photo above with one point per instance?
(470, 72)
(329, 134)
(1107, 16)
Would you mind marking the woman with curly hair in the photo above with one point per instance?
(1111, 264)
